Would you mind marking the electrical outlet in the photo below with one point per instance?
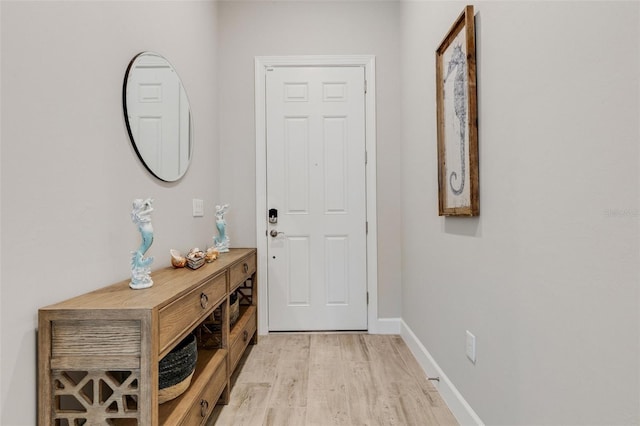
(471, 347)
(198, 207)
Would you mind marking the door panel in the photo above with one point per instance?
(316, 180)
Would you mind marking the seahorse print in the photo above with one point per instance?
(458, 65)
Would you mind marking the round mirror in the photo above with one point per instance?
(158, 117)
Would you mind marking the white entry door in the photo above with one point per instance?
(317, 252)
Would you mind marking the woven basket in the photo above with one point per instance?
(176, 369)
(234, 312)
(234, 308)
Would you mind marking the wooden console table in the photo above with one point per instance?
(98, 353)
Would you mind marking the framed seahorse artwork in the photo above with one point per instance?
(457, 118)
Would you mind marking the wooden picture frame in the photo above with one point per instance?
(457, 117)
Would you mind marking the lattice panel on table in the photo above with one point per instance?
(245, 292)
(96, 397)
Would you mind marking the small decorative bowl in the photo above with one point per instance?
(195, 264)
(195, 258)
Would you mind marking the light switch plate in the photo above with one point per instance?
(198, 207)
(471, 347)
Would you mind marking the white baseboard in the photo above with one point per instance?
(454, 400)
(386, 326)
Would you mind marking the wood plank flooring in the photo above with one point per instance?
(331, 380)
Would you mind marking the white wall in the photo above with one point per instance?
(69, 174)
(256, 28)
(547, 277)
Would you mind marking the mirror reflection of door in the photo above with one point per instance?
(157, 99)
(158, 116)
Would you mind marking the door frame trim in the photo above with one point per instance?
(261, 65)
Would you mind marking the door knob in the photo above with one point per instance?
(275, 233)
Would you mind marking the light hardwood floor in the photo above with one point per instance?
(331, 379)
